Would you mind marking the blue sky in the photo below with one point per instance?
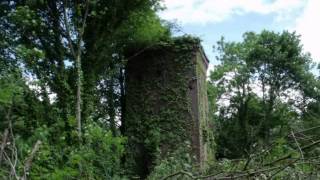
(211, 19)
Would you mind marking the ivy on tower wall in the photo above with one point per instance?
(166, 104)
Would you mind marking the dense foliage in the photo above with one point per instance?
(58, 58)
(263, 96)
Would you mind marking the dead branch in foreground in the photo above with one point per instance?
(28, 163)
(271, 167)
(3, 143)
(9, 153)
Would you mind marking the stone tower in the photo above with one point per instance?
(166, 104)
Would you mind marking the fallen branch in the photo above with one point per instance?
(291, 154)
(283, 168)
(310, 145)
(179, 173)
(247, 163)
(295, 140)
(305, 130)
(249, 173)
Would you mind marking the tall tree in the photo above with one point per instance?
(57, 40)
(64, 54)
(256, 80)
(79, 21)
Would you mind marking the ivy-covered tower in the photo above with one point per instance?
(166, 104)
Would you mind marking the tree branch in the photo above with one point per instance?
(68, 33)
(295, 140)
(81, 31)
(3, 144)
(28, 163)
(179, 173)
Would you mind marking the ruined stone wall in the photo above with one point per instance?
(205, 127)
(166, 104)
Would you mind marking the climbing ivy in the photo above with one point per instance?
(159, 118)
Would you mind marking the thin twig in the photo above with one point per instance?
(81, 31)
(247, 163)
(245, 174)
(295, 140)
(283, 168)
(12, 165)
(305, 130)
(141, 51)
(66, 24)
(179, 173)
(291, 154)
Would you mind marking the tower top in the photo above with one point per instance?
(181, 42)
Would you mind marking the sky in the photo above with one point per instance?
(211, 19)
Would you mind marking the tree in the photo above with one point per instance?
(56, 40)
(279, 63)
(257, 80)
(66, 54)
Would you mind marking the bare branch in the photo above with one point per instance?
(28, 163)
(81, 31)
(179, 173)
(12, 165)
(3, 143)
(244, 174)
(283, 168)
(66, 24)
(305, 130)
(295, 140)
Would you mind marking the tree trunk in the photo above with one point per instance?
(78, 98)
(122, 100)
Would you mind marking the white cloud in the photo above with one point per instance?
(298, 15)
(307, 25)
(214, 11)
